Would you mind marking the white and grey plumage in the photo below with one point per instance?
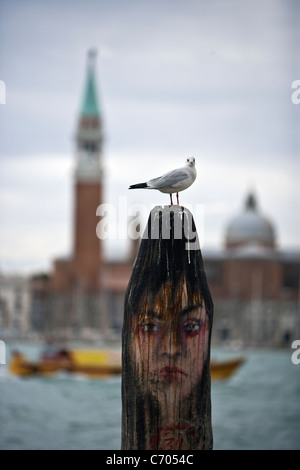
(172, 182)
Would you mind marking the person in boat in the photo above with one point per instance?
(52, 353)
(50, 350)
(166, 350)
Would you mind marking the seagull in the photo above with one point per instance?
(172, 182)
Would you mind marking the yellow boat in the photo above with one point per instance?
(93, 363)
(96, 363)
(221, 370)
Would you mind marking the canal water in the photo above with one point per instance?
(257, 408)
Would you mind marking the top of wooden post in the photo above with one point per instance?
(172, 223)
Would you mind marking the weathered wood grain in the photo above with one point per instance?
(166, 396)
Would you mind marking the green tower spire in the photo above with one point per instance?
(89, 131)
(90, 105)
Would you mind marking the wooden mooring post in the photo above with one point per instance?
(166, 396)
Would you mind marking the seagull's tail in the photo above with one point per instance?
(138, 186)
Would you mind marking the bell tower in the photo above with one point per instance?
(88, 185)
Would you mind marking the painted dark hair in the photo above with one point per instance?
(165, 261)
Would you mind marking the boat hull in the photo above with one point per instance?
(225, 369)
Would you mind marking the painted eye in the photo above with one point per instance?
(150, 327)
(192, 326)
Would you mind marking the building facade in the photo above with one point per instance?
(255, 285)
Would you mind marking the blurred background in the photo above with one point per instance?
(98, 95)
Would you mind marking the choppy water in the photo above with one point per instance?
(258, 408)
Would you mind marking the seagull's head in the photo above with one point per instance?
(190, 161)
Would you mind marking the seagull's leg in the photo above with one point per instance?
(177, 198)
(171, 199)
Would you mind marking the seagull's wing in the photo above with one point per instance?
(169, 179)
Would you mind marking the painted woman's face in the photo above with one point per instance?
(171, 346)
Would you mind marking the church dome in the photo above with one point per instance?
(250, 227)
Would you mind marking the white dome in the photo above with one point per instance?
(250, 227)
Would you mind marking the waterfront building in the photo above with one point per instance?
(255, 284)
(86, 290)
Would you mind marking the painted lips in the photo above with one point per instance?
(172, 373)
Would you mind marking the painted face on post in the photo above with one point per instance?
(165, 342)
(172, 344)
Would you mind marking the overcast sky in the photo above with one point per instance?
(205, 78)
